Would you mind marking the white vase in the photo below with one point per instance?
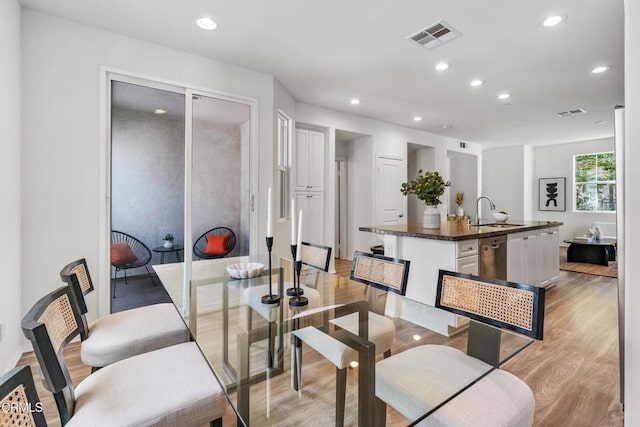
(460, 211)
(431, 217)
(168, 244)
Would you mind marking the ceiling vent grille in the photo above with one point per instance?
(434, 35)
(572, 112)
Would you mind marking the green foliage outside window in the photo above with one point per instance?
(595, 182)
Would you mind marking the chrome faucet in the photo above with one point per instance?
(491, 205)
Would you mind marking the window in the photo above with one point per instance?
(594, 182)
(284, 144)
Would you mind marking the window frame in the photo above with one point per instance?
(596, 182)
(284, 161)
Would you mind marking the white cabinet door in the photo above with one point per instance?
(515, 259)
(468, 265)
(309, 166)
(531, 258)
(555, 254)
(315, 162)
(313, 219)
(544, 245)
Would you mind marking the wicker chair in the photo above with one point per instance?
(141, 252)
(19, 401)
(366, 269)
(200, 246)
(497, 399)
(112, 338)
(315, 256)
(171, 386)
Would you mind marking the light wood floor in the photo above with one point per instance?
(573, 372)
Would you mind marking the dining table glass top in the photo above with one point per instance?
(250, 345)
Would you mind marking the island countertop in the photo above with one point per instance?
(453, 230)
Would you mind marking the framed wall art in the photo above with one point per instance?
(552, 194)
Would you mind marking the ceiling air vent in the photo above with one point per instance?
(434, 35)
(572, 112)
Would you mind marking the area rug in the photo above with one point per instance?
(583, 267)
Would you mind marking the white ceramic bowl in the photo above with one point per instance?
(245, 270)
(500, 217)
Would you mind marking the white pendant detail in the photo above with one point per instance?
(431, 217)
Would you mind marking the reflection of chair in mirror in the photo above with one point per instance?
(381, 274)
(127, 252)
(121, 335)
(171, 386)
(438, 372)
(315, 256)
(215, 243)
(19, 401)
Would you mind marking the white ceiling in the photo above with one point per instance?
(326, 52)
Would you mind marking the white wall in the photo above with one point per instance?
(503, 181)
(359, 195)
(632, 211)
(386, 139)
(61, 138)
(463, 173)
(10, 250)
(552, 161)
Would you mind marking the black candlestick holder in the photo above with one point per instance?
(270, 299)
(298, 300)
(295, 291)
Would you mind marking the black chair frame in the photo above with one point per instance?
(69, 275)
(9, 382)
(142, 252)
(200, 244)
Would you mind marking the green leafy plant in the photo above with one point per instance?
(504, 213)
(168, 237)
(428, 187)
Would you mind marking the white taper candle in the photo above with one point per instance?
(293, 222)
(299, 249)
(269, 227)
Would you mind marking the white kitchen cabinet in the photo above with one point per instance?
(555, 251)
(530, 258)
(549, 247)
(468, 265)
(309, 166)
(515, 258)
(313, 218)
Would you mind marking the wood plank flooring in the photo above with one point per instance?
(573, 372)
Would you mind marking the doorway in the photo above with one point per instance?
(341, 208)
(179, 166)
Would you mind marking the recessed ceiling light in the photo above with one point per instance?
(441, 66)
(601, 122)
(600, 69)
(476, 83)
(552, 20)
(417, 118)
(354, 101)
(206, 23)
(159, 111)
(504, 95)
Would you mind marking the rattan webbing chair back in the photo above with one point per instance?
(19, 401)
(50, 325)
(200, 245)
(316, 256)
(76, 276)
(506, 305)
(386, 273)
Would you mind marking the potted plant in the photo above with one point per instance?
(459, 202)
(428, 187)
(168, 240)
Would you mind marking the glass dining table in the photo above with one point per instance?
(250, 346)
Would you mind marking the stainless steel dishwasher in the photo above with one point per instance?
(493, 257)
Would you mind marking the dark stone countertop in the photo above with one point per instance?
(454, 230)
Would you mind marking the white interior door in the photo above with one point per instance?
(389, 201)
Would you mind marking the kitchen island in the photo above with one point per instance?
(531, 256)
